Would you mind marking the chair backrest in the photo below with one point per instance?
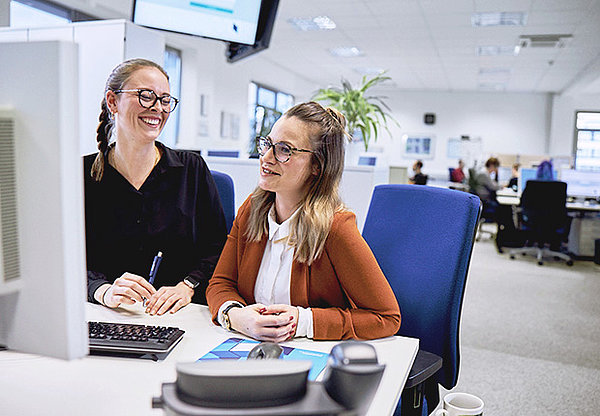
(422, 238)
(544, 205)
(226, 193)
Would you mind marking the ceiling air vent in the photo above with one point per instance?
(543, 41)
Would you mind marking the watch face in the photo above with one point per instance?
(191, 282)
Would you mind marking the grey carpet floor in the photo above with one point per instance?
(530, 335)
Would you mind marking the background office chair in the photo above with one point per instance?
(544, 220)
(422, 238)
(226, 193)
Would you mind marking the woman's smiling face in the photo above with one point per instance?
(132, 121)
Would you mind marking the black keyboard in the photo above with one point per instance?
(132, 339)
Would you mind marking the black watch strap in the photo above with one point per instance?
(226, 321)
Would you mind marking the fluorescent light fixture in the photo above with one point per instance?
(494, 50)
(492, 86)
(363, 70)
(306, 24)
(494, 71)
(346, 51)
(499, 19)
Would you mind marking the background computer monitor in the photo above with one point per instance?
(504, 174)
(581, 184)
(229, 20)
(45, 312)
(526, 174)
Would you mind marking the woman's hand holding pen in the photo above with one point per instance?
(169, 298)
(128, 289)
(275, 323)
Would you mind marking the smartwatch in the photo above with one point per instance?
(191, 282)
(226, 321)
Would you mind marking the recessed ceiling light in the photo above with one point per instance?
(494, 50)
(368, 70)
(306, 24)
(346, 51)
(499, 19)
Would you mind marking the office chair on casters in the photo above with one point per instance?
(422, 237)
(545, 222)
(226, 193)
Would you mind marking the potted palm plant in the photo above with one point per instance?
(364, 113)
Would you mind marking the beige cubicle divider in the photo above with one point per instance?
(398, 174)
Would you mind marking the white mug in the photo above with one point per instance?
(461, 404)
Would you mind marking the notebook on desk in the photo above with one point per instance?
(238, 349)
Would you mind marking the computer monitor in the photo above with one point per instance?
(526, 174)
(504, 174)
(42, 307)
(581, 184)
(229, 20)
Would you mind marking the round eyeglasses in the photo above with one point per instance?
(282, 151)
(148, 99)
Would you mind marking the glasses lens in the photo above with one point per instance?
(262, 145)
(282, 152)
(147, 98)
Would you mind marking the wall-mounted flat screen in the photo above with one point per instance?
(228, 20)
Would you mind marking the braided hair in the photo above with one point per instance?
(118, 77)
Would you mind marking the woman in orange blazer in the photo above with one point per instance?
(295, 263)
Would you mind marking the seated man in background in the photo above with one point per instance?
(485, 186)
(419, 178)
(457, 173)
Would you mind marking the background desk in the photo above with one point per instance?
(96, 385)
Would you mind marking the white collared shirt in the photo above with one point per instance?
(275, 272)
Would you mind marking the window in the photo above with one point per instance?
(173, 67)
(40, 13)
(265, 106)
(587, 141)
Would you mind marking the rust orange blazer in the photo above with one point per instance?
(345, 288)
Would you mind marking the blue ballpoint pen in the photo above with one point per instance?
(154, 268)
(153, 271)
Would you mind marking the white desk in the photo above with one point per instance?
(95, 385)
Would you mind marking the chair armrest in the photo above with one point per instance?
(425, 365)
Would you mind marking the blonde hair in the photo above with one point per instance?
(310, 227)
(117, 78)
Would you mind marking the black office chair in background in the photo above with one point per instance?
(545, 222)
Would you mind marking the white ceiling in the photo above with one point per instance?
(430, 44)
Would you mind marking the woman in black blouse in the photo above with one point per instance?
(142, 197)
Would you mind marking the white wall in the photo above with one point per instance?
(506, 122)
(563, 119)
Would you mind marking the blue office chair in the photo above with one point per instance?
(226, 193)
(422, 238)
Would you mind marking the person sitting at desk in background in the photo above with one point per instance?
(142, 197)
(485, 186)
(513, 183)
(419, 178)
(457, 174)
(295, 264)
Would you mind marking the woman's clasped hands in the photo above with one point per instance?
(274, 323)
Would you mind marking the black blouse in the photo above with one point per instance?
(177, 211)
